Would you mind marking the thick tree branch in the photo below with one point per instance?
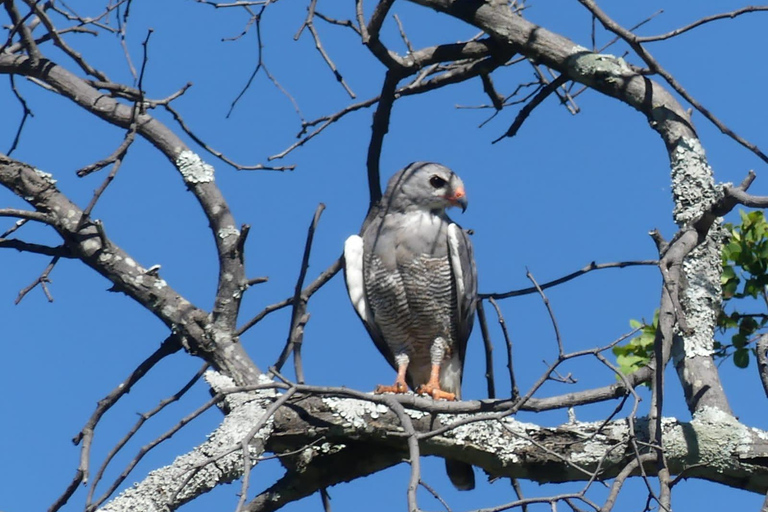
(170, 487)
(197, 175)
(88, 243)
(502, 446)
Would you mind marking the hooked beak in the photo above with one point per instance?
(459, 198)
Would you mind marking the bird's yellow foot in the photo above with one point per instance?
(435, 392)
(397, 387)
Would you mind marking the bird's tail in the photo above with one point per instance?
(462, 475)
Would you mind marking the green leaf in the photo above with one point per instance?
(739, 340)
(744, 276)
(748, 325)
(741, 358)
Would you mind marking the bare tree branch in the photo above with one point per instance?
(535, 102)
(129, 435)
(514, 392)
(299, 315)
(90, 245)
(488, 345)
(700, 22)
(167, 347)
(632, 40)
(589, 268)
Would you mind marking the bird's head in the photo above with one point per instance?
(426, 186)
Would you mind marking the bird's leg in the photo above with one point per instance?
(399, 386)
(432, 388)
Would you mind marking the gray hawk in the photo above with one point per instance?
(412, 279)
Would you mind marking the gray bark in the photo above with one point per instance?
(219, 460)
(338, 435)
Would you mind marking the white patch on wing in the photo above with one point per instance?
(454, 252)
(353, 271)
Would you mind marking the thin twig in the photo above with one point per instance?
(655, 67)
(618, 482)
(488, 350)
(309, 24)
(178, 426)
(589, 268)
(326, 499)
(403, 36)
(129, 435)
(413, 450)
(61, 44)
(87, 432)
(379, 129)
(299, 315)
(16, 225)
(434, 493)
(218, 154)
(61, 251)
(544, 298)
(42, 280)
(26, 112)
(514, 392)
(518, 492)
(702, 21)
(318, 283)
(535, 102)
(245, 444)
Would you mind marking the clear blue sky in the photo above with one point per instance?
(566, 191)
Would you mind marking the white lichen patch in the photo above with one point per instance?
(761, 434)
(162, 488)
(228, 231)
(597, 66)
(311, 452)
(328, 448)
(91, 245)
(193, 169)
(719, 435)
(505, 438)
(48, 177)
(416, 415)
(159, 284)
(693, 184)
(355, 413)
(220, 382)
(694, 192)
(701, 297)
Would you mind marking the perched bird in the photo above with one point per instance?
(412, 279)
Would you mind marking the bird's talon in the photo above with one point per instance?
(397, 387)
(436, 393)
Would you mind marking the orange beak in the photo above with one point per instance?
(459, 199)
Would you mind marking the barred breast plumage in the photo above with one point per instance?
(413, 304)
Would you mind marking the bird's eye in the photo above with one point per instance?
(436, 181)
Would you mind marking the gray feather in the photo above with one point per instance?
(419, 279)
